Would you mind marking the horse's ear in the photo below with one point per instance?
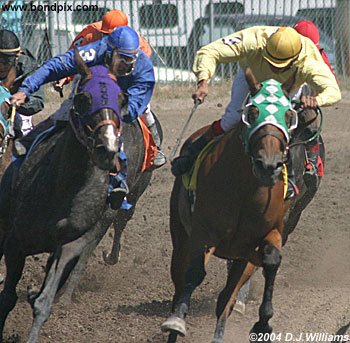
(123, 103)
(10, 78)
(82, 68)
(288, 85)
(82, 102)
(253, 84)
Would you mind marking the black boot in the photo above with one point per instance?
(183, 164)
(292, 188)
(311, 178)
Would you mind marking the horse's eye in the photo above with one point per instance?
(252, 114)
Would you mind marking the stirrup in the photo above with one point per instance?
(292, 190)
(310, 177)
(18, 149)
(159, 159)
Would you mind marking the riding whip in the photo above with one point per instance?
(13, 113)
(46, 35)
(179, 139)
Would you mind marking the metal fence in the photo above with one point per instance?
(176, 29)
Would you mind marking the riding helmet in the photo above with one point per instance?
(282, 47)
(113, 19)
(9, 43)
(125, 40)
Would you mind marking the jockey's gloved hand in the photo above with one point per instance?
(308, 102)
(201, 92)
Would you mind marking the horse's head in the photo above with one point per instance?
(95, 116)
(5, 116)
(269, 119)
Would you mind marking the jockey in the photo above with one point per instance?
(100, 29)
(11, 54)
(134, 72)
(271, 52)
(308, 29)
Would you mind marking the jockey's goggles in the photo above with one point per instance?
(128, 60)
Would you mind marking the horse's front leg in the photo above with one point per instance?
(240, 271)
(42, 303)
(195, 274)
(271, 259)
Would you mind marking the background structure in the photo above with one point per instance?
(177, 28)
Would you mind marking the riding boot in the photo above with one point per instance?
(118, 187)
(311, 178)
(117, 190)
(159, 159)
(292, 188)
(183, 164)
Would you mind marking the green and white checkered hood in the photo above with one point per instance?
(272, 105)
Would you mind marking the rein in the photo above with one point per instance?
(305, 125)
(92, 124)
(259, 135)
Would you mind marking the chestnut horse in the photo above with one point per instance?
(239, 208)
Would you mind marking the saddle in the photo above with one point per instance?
(151, 149)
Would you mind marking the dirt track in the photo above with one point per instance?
(128, 302)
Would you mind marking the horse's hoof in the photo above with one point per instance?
(111, 259)
(174, 323)
(239, 307)
(261, 329)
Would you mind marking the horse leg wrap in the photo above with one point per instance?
(271, 261)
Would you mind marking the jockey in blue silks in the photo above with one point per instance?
(135, 76)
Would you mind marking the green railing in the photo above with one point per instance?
(176, 29)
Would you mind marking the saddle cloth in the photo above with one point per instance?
(151, 149)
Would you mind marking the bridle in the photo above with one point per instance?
(87, 127)
(259, 135)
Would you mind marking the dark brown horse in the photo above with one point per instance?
(238, 210)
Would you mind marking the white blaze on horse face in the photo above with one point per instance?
(111, 139)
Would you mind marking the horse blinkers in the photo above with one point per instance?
(268, 157)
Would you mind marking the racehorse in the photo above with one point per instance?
(56, 201)
(237, 209)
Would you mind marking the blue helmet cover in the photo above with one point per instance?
(125, 40)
